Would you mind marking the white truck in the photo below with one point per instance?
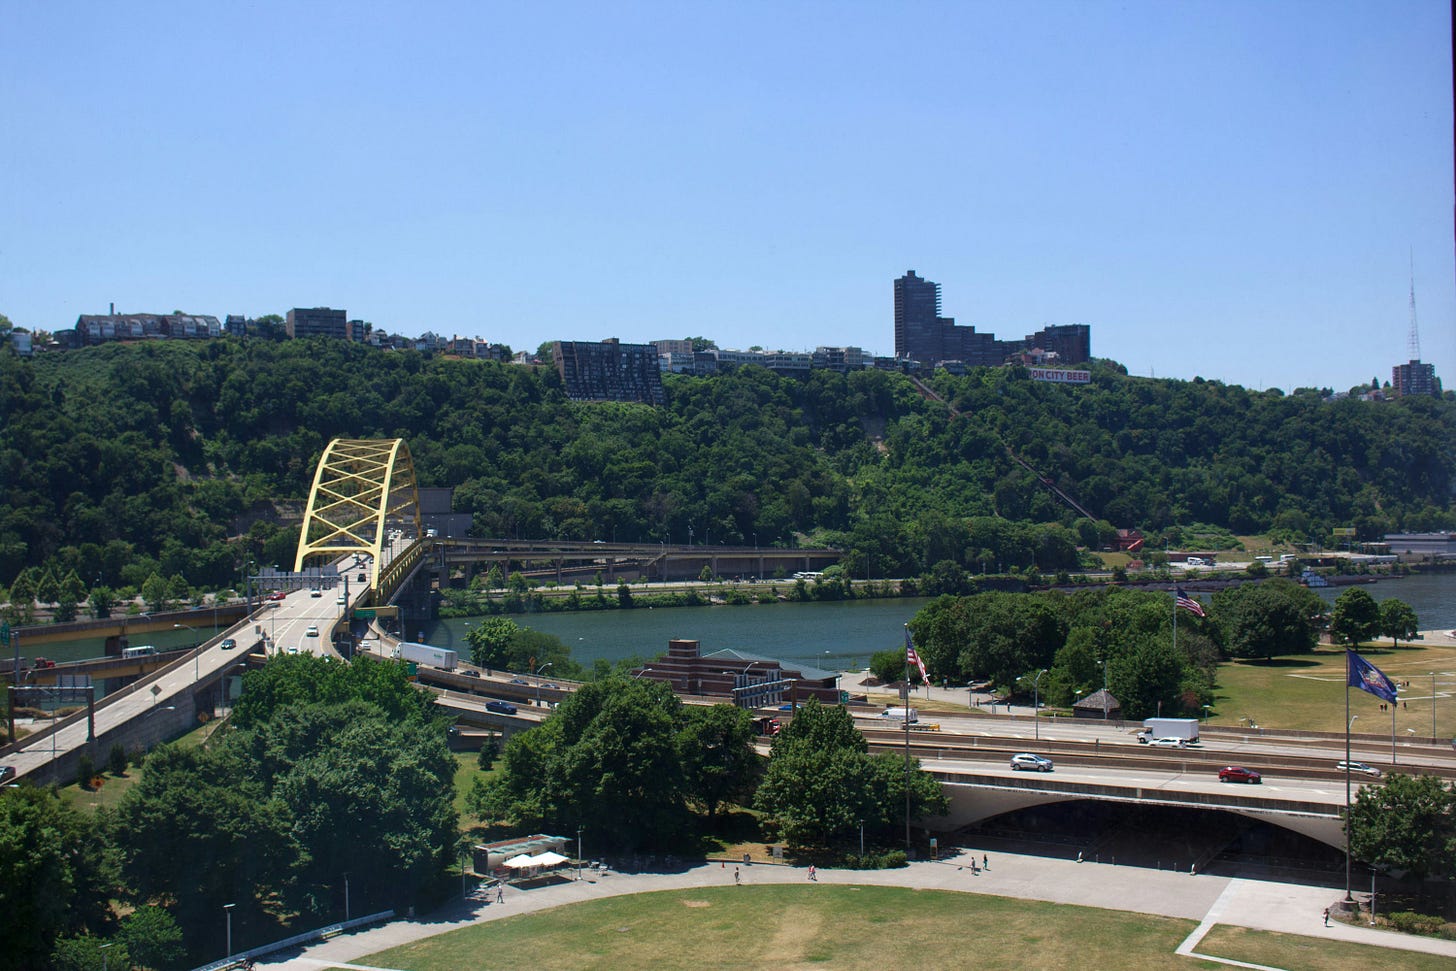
(899, 715)
(1185, 729)
(436, 657)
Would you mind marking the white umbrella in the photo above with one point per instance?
(520, 862)
(549, 858)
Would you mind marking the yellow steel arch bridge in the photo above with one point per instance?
(361, 489)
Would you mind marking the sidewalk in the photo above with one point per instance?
(1288, 908)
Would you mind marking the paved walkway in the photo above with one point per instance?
(1290, 908)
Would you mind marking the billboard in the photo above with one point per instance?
(1059, 376)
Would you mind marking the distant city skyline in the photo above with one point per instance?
(1226, 191)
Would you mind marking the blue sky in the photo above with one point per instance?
(1231, 189)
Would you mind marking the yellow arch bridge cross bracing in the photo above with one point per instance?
(361, 489)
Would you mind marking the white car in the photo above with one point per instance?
(1030, 762)
(292, 648)
(312, 631)
(1169, 743)
(1358, 767)
(343, 601)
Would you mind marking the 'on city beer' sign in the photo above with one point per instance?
(1058, 376)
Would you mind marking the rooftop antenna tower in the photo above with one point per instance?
(1413, 342)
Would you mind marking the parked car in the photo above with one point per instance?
(500, 707)
(228, 644)
(1032, 763)
(1358, 767)
(1237, 773)
(1169, 743)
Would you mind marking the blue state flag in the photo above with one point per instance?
(1361, 674)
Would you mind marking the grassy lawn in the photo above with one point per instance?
(871, 928)
(1296, 953)
(116, 786)
(1307, 691)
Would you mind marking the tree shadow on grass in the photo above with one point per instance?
(1279, 662)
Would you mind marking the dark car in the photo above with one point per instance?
(1237, 773)
(7, 772)
(466, 672)
(228, 644)
(500, 707)
(519, 681)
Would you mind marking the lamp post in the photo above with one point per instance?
(105, 958)
(228, 910)
(1205, 713)
(196, 650)
(346, 894)
(578, 852)
(1433, 706)
(538, 682)
(1036, 703)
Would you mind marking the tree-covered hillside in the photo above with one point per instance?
(120, 461)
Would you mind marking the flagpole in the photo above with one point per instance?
(1175, 618)
(1349, 898)
(906, 712)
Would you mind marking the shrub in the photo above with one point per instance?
(888, 860)
(116, 760)
(1413, 923)
(85, 769)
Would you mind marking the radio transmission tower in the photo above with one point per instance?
(1413, 342)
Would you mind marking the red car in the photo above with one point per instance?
(277, 595)
(1237, 773)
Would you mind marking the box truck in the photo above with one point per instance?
(1181, 728)
(899, 715)
(436, 657)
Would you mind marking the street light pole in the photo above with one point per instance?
(1036, 703)
(196, 650)
(578, 852)
(538, 682)
(228, 910)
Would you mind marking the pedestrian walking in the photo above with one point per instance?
(500, 894)
(736, 877)
(813, 873)
(1327, 917)
(985, 862)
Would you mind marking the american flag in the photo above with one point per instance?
(913, 658)
(1181, 599)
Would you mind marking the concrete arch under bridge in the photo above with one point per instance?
(974, 801)
(361, 488)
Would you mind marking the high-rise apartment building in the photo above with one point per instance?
(1414, 378)
(918, 323)
(1071, 343)
(609, 371)
(318, 322)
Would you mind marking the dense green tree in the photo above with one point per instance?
(1355, 619)
(1397, 620)
(1409, 823)
(56, 876)
(821, 783)
(490, 641)
(1275, 617)
(609, 758)
(718, 760)
(151, 938)
(47, 587)
(70, 592)
(156, 593)
(102, 599)
(198, 831)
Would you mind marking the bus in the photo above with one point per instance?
(142, 650)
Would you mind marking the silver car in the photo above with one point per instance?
(1032, 763)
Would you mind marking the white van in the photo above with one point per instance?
(142, 650)
(898, 714)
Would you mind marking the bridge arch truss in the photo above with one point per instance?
(361, 489)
